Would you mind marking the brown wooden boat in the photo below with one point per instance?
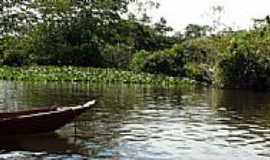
(39, 120)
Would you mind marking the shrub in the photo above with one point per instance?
(199, 72)
(117, 56)
(15, 58)
(137, 62)
(243, 68)
(169, 62)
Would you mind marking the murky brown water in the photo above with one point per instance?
(142, 122)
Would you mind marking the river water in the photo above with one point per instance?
(142, 122)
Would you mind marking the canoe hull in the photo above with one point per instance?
(41, 122)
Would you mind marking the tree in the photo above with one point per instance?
(76, 32)
(196, 31)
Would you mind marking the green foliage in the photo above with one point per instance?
(137, 63)
(14, 59)
(169, 61)
(81, 33)
(94, 33)
(245, 61)
(202, 50)
(232, 60)
(196, 31)
(199, 72)
(94, 75)
(15, 52)
(117, 56)
(16, 17)
(243, 68)
(189, 60)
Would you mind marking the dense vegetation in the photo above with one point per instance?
(235, 59)
(82, 33)
(87, 74)
(105, 34)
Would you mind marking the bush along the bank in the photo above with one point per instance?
(233, 60)
(168, 62)
(199, 72)
(137, 62)
(243, 68)
(177, 62)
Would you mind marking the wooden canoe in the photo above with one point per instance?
(39, 120)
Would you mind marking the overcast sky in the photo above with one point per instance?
(237, 13)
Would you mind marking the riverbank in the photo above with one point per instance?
(87, 74)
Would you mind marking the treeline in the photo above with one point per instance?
(77, 32)
(228, 59)
(106, 34)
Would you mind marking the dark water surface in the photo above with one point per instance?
(142, 122)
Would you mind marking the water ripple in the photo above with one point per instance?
(140, 122)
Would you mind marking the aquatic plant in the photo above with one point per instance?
(95, 75)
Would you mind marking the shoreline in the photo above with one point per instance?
(88, 74)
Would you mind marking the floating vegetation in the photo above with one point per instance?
(95, 75)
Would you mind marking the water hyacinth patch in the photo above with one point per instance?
(87, 74)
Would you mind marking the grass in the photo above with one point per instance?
(95, 75)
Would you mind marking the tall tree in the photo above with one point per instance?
(77, 31)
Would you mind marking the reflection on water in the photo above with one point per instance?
(49, 142)
(142, 122)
